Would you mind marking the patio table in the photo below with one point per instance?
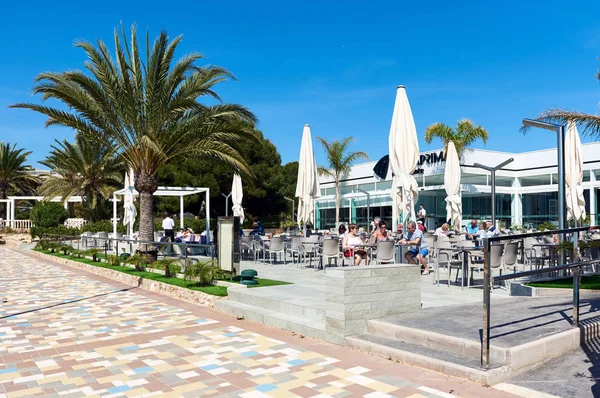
(466, 251)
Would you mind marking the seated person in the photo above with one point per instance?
(255, 230)
(472, 230)
(350, 242)
(179, 237)
(399, 230)
(382, 233)
(342, 231)
(189, 235)
(421, 226)
(259, 225)
(443, 230)
(419, 249)
(490, 231)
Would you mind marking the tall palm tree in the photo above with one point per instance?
(588, 124)
(340, 162)
(86, 167)
(14, 176)
(465, 134)
(148, 108)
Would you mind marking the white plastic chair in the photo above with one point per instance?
(385, 252)
(331, 250)
(276, 246)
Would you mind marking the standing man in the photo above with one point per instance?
(168, 224)
(421, 214)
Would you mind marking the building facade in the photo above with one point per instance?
(526, 189)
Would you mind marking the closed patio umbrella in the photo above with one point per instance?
(236, 197)
(307, 186)
(404, 155)
(574, 174)
(452, 186)
(130, 212)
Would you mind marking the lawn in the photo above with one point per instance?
(587, 282)
(261, 282)
(213, 290)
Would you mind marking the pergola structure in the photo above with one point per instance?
(10, 204)
(167, 191)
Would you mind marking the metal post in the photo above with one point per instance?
(576, 280)
(368, 206)
(493, 170)
(485, 341)
(293, 207)
(181, 211)
(226, 203)
(561, 177)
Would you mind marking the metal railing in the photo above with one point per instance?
(488, 279)
(111, 245)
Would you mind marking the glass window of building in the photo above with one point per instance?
(434, 180)
(530, 181)
(502, 181)
(473, 179)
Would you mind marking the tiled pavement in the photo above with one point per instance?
(67, 333)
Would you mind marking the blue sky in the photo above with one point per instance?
(335, 65)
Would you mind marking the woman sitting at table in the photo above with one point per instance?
(351, 241)
(382, 233)
(342, 231)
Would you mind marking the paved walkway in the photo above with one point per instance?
(68, 333)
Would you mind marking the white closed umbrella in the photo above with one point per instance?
(236, 197)
(404, 155)
(307, 186)
(452, 185)
(574, 174)
(130, 212)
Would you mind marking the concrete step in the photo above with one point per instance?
(435, 341)
(279, 300)
(293, 323)
(440, 361)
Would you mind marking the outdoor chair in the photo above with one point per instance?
(246, 246)
(386, 252)
(101, 239)
(294, 248)
(276, 246)
(510, 257)
(331, 250)
(445, 258)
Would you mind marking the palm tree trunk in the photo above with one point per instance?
(337, 203)
(146, 185)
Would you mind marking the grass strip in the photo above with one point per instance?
(587, 283)
(212, 290)
(261, 281)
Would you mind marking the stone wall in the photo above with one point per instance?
(357, 294)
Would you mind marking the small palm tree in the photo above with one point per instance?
(465, 134)
(340, 162)
(86, 167)
(14, 176)
(588, 124)
(148, 108)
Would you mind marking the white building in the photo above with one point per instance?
(526, 190)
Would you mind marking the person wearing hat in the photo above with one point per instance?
(420, 226)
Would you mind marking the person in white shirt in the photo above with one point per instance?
(168, 225)
(421, 214)
(490, 230)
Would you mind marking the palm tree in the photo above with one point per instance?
(465, 134)
(14, 176)
(339, 165)
(148, 108)
(588, 124)
(86, 167)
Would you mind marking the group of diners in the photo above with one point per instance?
(353, 245)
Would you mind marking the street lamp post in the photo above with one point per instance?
(226, 203)
(368, 206)
(493, 170)
(560, 146)
(293, 207)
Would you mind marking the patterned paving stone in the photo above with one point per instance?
(72, 334)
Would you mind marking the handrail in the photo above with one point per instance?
(109, 239)
(488, 279)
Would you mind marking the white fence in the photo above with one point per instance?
(17, 225)
(75, 222)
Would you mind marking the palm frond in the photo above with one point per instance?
(588, 125)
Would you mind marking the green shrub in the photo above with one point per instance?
(546, 226)
(65, 249)
(103, 226)
(169, 265)
(138, 260)
(48, 214)
(94, 252)
(43, 244)
(40, 232)
(202, 273)
(113, 260)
